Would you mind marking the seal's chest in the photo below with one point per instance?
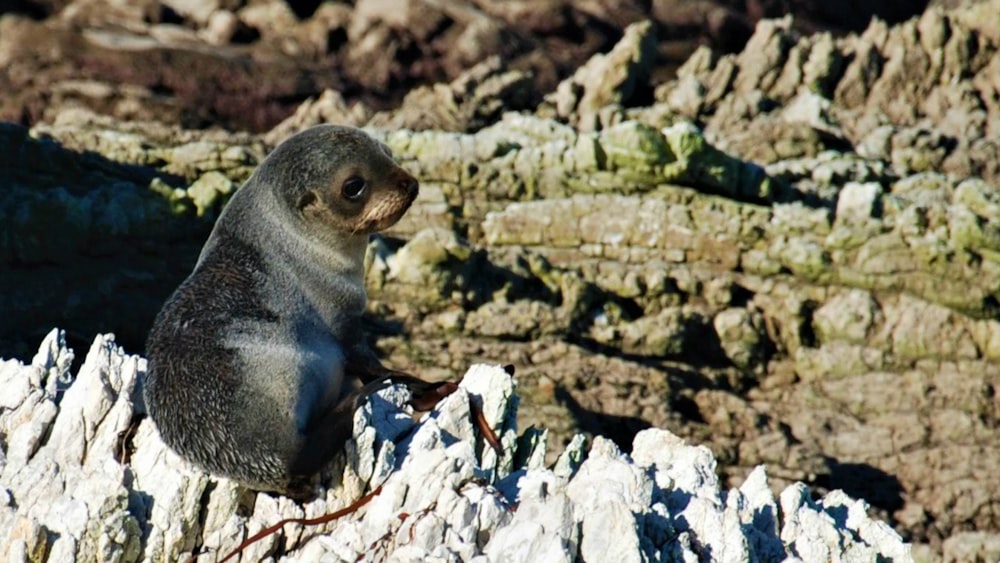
(321, 379)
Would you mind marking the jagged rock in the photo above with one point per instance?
(134, 70)
(80, 462)
(859, 202)
(523, 157)
(132, 57)
(371, 51)
(874, 273)
(663, 247)
(605, 80)
(475, 98)
(902, 84)
(329, 107)
(121, 228)
(670, 332)
(791, 236)
(972, 546)
(741, 335)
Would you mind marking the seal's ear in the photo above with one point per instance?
(306, 200)
(385, 148)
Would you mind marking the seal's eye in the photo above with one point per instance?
(353, 188)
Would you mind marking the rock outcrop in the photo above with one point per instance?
(248, 64)
(84, 477)
(775, 257)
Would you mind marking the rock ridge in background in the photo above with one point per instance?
(248, 64)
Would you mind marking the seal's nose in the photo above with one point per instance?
(410, 185)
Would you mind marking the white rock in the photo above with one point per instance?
(858, 202)
(445, 495)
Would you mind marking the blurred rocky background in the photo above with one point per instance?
(247, 64)
(776, 237)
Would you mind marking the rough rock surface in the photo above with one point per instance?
(821, 296)
(247, 64)
(125, 230)
(922, 96)
(84, 477)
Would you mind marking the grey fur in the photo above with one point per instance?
(256, 362)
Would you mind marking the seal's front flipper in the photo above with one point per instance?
(427, 395)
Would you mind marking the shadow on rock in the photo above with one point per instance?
(87, 243)
(620, 429)
(859, 480)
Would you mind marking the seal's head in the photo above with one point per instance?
(339, 178)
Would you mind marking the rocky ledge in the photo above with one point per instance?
(790, 255)
(86, 478)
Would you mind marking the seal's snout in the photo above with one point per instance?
(410, 186)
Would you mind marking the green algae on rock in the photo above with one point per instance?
(525, 158)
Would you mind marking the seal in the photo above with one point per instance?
(257, 361)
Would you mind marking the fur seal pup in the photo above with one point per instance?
(257, 361)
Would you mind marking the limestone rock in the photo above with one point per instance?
(903, 85)
(741, 333)
(79, 461)
(605, 80)
(472, 100)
